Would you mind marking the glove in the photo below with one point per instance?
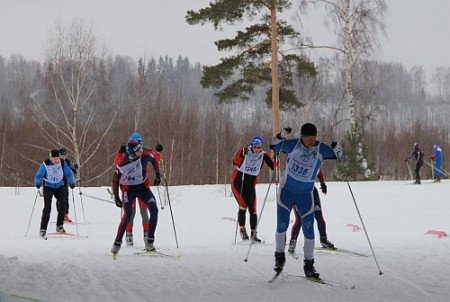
(406, 159)
(38, 186)
(284, 133)
(337, 149)
(123, 149)
(159, 148)
(323, 188)
(117, 201)
(157, 181)
(245, 151)
(72, 186)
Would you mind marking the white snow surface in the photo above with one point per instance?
(396, 214)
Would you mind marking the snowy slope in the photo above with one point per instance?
(397, 215)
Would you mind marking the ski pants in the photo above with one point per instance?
(245, 195)
(419, 165)
(321, 224)
(149, 200)
(305, 207)
(61, 205)
(144, 214)
(437, 169)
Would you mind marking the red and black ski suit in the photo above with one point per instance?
(243, 184)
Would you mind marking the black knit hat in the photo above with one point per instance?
(308, 129)
(54, 153)
(62, 151)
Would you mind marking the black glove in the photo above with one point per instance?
(245, 151)
(157, 181)
(406, 159)
(123, 149)
(159, 148)
(284, 133)
(72, 186)
(38, 186)
(323, 187)
(117, 201)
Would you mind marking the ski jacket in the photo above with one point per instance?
(53, 175)
(437, 154)
(302, 163)
(132, 175)
(418, 155)
(251, 164)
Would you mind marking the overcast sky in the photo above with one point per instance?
(418, 30)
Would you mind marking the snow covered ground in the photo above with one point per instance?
(396, 214)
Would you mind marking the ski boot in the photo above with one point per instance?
(145, 236)
(280, 259)
(60, 229)
(255, 238)
(116, 247)
(67, 218)
(42, 233)
(310, 271)
(326, 243)
(129, 239)
(149, 247)
(292, 245)
(244, 234)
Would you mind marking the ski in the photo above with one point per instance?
(338, 250)
(312, 279)
(294, 255)
(157, 254)
(277, 274)
(65, 234)
(114, 256)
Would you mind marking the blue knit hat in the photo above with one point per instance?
(257, 140)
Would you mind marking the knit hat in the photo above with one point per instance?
(257, 140)
(308, 129)
(62, 151)
(53, 153)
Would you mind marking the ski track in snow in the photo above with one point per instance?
(212, 267)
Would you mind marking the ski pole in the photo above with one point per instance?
(32, 211)
(75, 213)
(409, 170)
(170, 204)
(364, 227)
(82, 205)
(240, 195)
(260, 214)
(98, 198)
(434, 168)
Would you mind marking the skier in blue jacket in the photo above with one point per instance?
(52, 172)
(304, 158)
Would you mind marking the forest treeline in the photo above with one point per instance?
(163, 100)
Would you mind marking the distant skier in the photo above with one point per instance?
(305, 156)
(418, 156)
(52, 171)
(437, 157)
(249, 161)
(131, 175)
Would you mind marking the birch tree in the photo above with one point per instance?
(357, 24)
(69, 116)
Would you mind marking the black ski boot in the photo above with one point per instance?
(326, 243)
(255, 238)
(244, 234)
(310, 271)
(280, 259)
(292, 245)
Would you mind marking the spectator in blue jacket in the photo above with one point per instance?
(437, 157)
(51, 174)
